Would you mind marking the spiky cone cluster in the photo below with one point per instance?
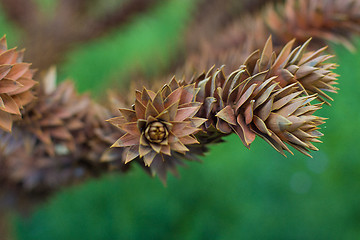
(100, 135)
(33, 168)
(256, 100)
(307, 69)
(61, 140)
(67, 123)
(57, 117)
(110, 133)
(278, 115)
(15, 84)
(29, 174)
(160, 127)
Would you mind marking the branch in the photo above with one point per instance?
(117, 17)
(22, 12)
(333, 20)
(50, 37)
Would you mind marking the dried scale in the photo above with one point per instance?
(15, 84)
(308, 69)
(269, 96)
(263, 97)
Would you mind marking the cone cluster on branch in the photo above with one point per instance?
(61, 137)
(269, 96)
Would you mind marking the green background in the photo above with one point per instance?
(235, 193)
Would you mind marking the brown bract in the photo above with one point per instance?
(276, 114)
(58, 116)
(269, 96)
(160, 125)
(308, 69)
(15, 84)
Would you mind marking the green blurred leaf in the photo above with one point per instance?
(147, 43)
(12, 32)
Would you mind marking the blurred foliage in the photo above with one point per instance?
(8, 28)
(146, 44)
(236, 193)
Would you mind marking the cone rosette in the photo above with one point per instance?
(160, 125)
(15, 84)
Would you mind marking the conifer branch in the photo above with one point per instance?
(51, 35)
(63, 137)
(322, 20)
(268, 96)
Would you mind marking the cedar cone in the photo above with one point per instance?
(15, 84)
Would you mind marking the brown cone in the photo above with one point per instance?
(60, 142)
(160, 127)
(58, 116)
(15, 84)
(309, 70)
(257, 99)
(276, 114)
